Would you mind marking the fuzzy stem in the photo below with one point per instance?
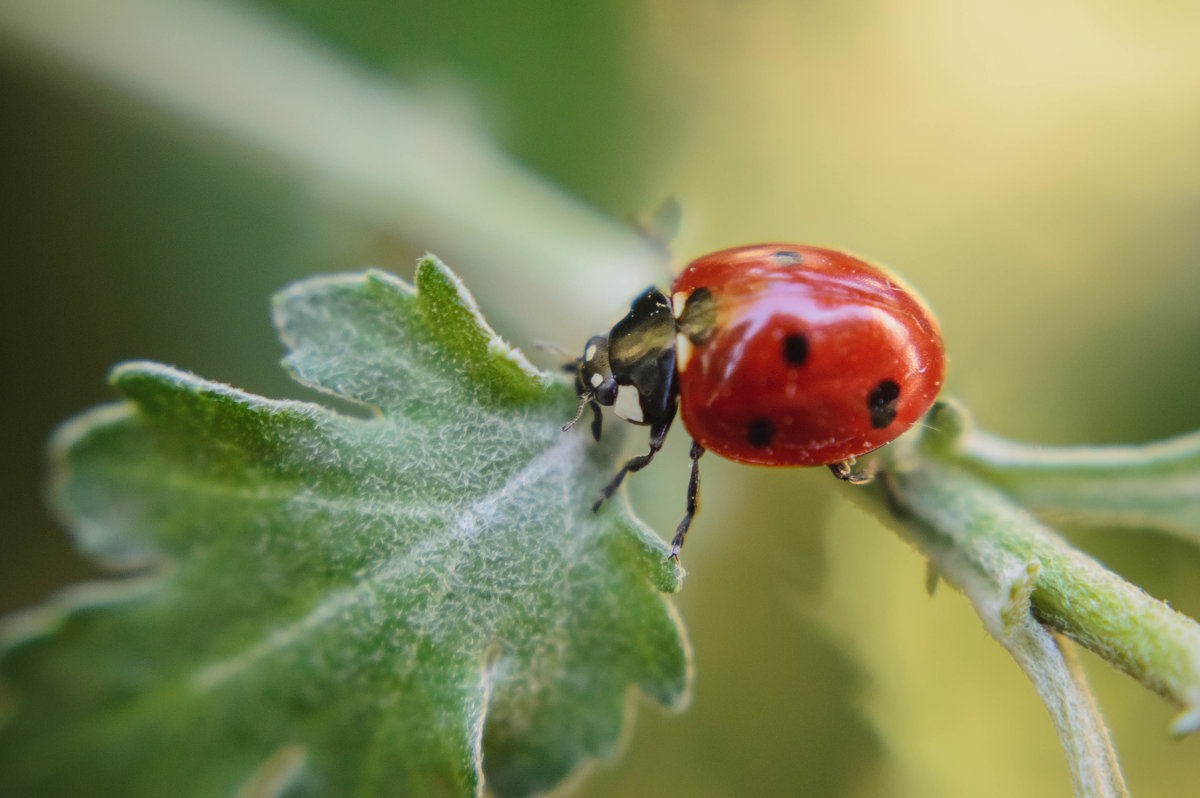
(1071, 594)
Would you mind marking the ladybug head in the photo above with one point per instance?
(632, 369)
(594, 379)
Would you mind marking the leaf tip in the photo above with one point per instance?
(42, 620)
(136, 379)
(668, 578)
(460, 321)
(69, 433)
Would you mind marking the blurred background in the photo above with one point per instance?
(1034, 167)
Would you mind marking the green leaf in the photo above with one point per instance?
(401, 604)
(1153, 486)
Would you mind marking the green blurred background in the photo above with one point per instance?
(1033, 166)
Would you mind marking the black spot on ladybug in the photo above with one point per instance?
(760, 432)
(795, 349)
(788, 257)
(882, 403)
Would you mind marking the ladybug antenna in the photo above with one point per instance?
(546, 346)
(584, 400)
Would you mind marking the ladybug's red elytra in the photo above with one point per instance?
(774, 354)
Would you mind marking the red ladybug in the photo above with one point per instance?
(776, 354)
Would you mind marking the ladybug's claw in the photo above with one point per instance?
(844, 471)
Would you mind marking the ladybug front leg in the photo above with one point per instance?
(693, 502)
(658, 434)
(597, 419)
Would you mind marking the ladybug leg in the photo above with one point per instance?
(658, 434)
(693, 502)
(597, 420)
(844, 471)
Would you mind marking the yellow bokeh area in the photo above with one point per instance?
(1032, 167)
(1035, 169)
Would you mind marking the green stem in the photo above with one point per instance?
(1148, 486)
(1071, 593)
(1029, 585)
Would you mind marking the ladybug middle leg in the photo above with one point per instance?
(693, 502)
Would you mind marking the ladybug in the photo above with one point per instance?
(775, 355)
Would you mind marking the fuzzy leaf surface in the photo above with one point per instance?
(404, 603)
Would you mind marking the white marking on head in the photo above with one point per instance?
(596, 380)
(683, 351)
(678, 303)
(590, 352)
(629, 404)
